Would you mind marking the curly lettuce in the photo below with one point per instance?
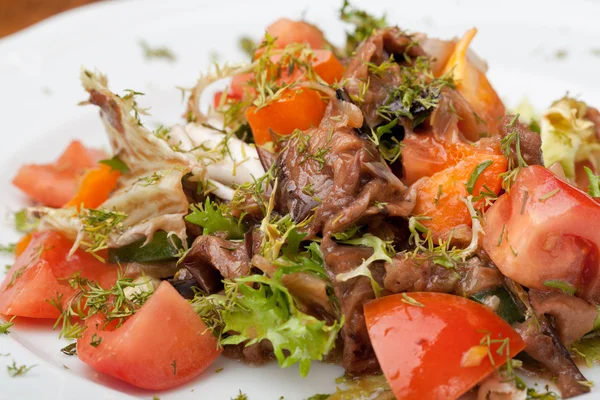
(258, 307)
(567, 137)
(212, 218)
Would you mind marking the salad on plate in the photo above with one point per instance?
(372, 205)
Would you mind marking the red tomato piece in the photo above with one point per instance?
(434, 350)
(163, 345)
(545, 230)
(41, 272)
(55, 184)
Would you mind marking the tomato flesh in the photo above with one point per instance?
(163, 345)
(55, 184)
(422, 349)
(41, 273)
(544, 230)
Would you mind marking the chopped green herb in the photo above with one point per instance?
(98, 225)
(96, 340)
(4, 327)
(116, 164)
(248, 46)
(219, 370)
(240, 396)
(594, 186)
(561, 54)
(524, 203)
(15, 370)
(475, 174)
(563, 286)
(9, 248)
(548, 195)
(157, 52)
(409, 300)
(70, 349)
(347, 234)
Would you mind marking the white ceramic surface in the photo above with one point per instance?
(39, 92)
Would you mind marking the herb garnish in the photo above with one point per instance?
(98, 225)
(594, 186)
(157, 52)
(116, 164)
(8, 248)
(475, 174)
(4, 327)
(563, 286)
(70, 349)
(507, 143)
(15, 370)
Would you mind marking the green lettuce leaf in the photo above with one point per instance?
(212, 218)
(256, 308)
(567, 137)
(382, 251)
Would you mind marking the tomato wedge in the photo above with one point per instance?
(435, 345)
(163, 345)
(41, 272)
(55, 184)
(544, 234)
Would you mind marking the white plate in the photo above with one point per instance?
(39, 90)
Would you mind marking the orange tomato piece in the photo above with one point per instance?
(439, 197)
(296, 109)
(22, 244)
(474, 86)
(163, 345)
(95, 187)
(435, 346)
(55, 184)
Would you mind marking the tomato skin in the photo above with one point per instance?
(55, 184)
(41, 275)
(142, 351)
(421, 349)
(287, 31)
(549, 232)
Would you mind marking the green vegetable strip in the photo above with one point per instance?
(475, 175)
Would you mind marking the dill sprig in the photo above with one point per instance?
(15, 370)
(4, 327)
(90, 299)
(418, 93)
(513, 139)
(8, 248)
(98, 225)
